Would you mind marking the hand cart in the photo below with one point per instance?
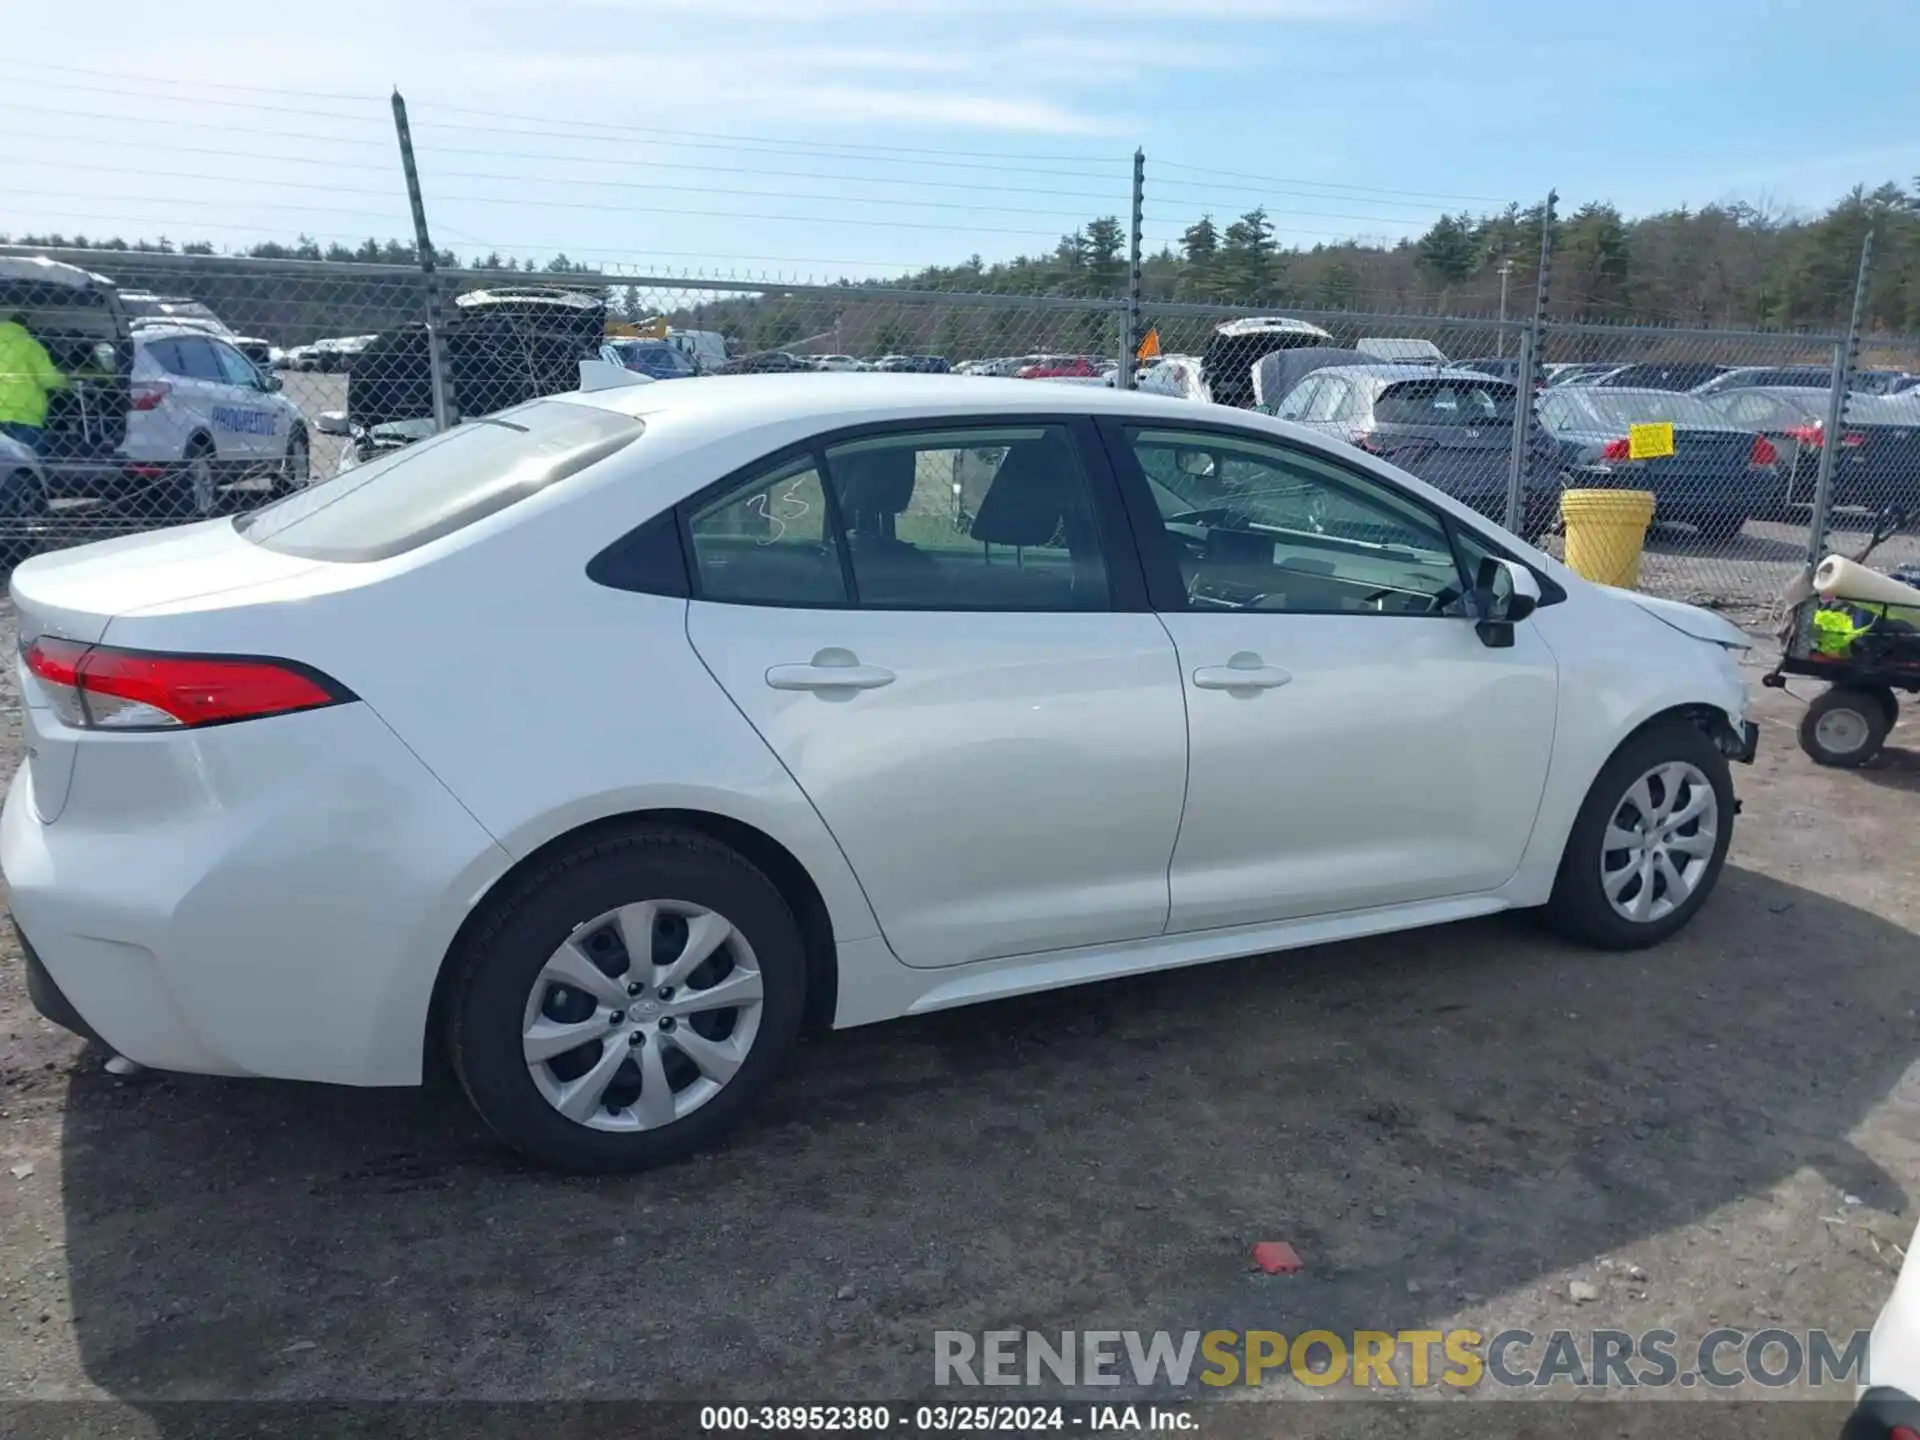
(1866, 651)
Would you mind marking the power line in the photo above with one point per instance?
(1330, 184)
(167, 147)
(839, 150)
(516, 201)
(969, 206)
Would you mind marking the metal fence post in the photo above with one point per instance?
(1530, 343)
(1845, 356)
(1130, 326)
(443, 415)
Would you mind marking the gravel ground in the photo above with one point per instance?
(1451, 1127)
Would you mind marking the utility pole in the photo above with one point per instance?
(436, 350)
(1532, 341)
(1500, 336)
(1846, 355)
(1130, 326)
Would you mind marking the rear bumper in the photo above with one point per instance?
(45, 992)
(274, 903)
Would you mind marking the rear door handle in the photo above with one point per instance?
(1243, 671)
(830, 669)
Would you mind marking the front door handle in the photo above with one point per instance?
(831, 669)
(1243, 671)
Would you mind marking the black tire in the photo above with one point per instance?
(23, 508)
(1889, 702)
(1579, 909)
(296, 467)
(499, 963)
(1845, 727)
(1716, 527)
(179, 500)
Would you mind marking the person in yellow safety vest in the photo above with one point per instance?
(27, 376)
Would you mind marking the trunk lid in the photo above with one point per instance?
(76, 594)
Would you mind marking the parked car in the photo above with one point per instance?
(146, 308)
(1500, 369)
(913, 364)
(1803, 377)
(1176, 375)
(1402, 351)
(78, 317)
(1877, 465)
(766, 362)
(1276, 375)
(337, 356)
(1678, 375)
(1235, 347)
(1769, 377)
(659, 359)
(1793, 421)
(503, 345)
(1720, 475)
(210, 422)
(1064, 367)
(1887, 1402)
(1883, 382)
(1453, 428)
(1248, 688)
(1504, 369)
(1578, 373)
(834, 362)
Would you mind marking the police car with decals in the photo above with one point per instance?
(205, 415)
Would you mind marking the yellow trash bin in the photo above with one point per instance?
(1606, 530)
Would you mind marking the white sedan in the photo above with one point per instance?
(607, 742)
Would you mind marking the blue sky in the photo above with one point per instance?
(817, 137)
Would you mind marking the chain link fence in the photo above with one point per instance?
(239, 380)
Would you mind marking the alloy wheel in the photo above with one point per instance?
(1659, 842)
(642, 1015)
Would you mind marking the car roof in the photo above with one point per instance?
(173, 330)
(1402, 370)
(50, 272)
(827, 398)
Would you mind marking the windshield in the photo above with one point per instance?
(1614, 410)
(1444, 402)
(441, 484)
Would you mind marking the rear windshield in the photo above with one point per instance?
(1582, 408)
(441, 484)
(1444, 402)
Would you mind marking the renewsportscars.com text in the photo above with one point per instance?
(1389, 1359)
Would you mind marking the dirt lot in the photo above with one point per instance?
(1450, 1127)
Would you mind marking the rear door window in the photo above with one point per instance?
(441, 484)
(1444, 402)
(198, 360)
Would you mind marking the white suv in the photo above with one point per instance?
(202, 407)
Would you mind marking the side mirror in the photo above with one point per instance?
(272, 384)
(1504, 593)
(332, 422)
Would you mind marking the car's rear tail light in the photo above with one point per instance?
(1902, 1432)
(148, 394)
(144, 471)
(1621, 449)
(1853, 442)
(1763, 452)
(1370, 445)
(99, 687)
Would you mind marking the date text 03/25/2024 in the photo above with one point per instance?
(959, 1419)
